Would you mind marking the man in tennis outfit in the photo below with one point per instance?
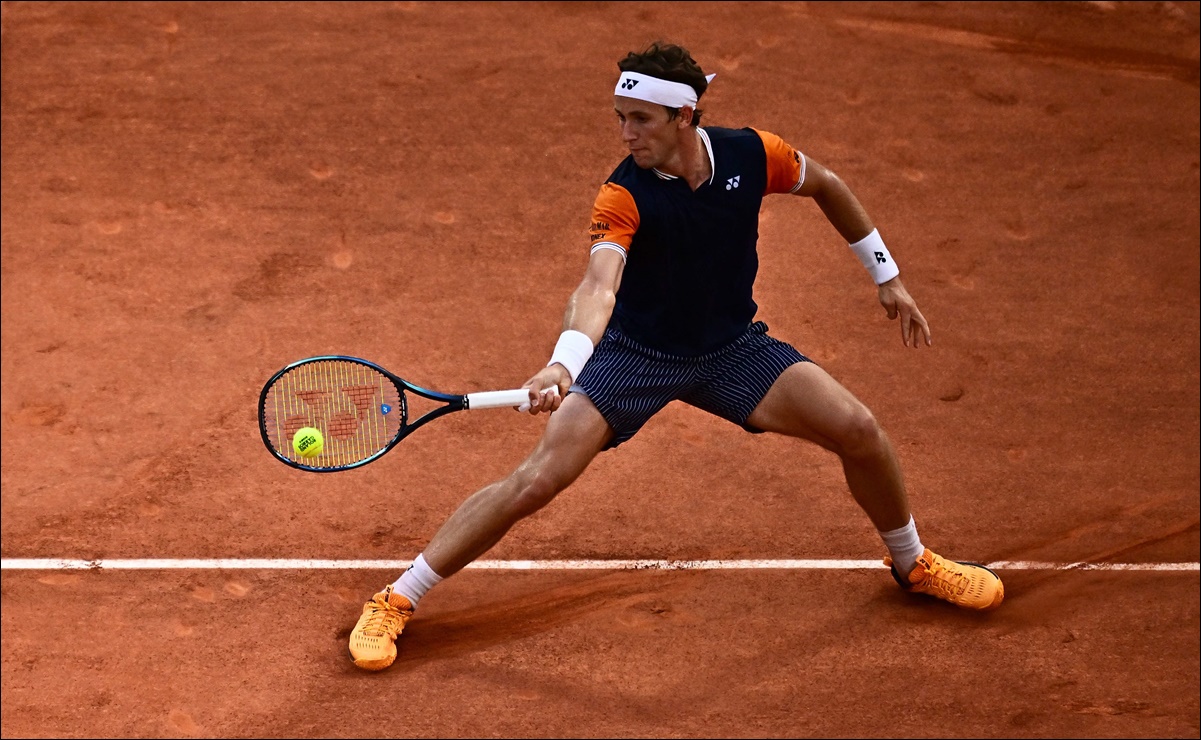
(664, 313)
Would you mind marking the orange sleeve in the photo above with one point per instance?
(614, 218)
(785, 165)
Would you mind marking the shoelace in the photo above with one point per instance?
(945, 580)
(384, 619)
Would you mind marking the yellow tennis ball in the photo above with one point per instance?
(308, 442)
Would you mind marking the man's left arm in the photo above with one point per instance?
(844, 212)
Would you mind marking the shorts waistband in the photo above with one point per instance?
(755, 329)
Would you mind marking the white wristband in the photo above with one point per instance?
(875, 257)
(572, 352)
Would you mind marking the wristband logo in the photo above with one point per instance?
(880, 258)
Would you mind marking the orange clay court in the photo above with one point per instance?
(197, 194)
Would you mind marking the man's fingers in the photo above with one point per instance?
(530, 404)
(915, 325)
(898, 304)
(543, 399)
(908, 317)
(919, 322)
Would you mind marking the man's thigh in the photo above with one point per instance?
(806, 402)
(574, 434)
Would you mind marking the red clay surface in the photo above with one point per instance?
(196, 194)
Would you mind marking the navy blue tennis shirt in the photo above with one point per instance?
(691, 256)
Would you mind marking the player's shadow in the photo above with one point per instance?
(457, 633)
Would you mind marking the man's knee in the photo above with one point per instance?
(860, 435)
(534, 490)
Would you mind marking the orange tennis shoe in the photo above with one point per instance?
(968, 585)
(373, 639)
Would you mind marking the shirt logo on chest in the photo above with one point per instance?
(733, 182)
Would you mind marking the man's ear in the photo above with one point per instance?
(684, 120)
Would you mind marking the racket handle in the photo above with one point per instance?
(498, 399)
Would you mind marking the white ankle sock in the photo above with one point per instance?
(415, 581)
(904, 546)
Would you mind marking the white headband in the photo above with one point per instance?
(656, 90)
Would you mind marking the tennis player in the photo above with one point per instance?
(665, 313)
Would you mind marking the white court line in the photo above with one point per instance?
(397, 565)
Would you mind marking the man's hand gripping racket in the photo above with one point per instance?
(359, 407)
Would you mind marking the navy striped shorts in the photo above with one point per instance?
(629, 383)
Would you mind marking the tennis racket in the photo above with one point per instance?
(359, 407)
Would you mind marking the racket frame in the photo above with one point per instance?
(452, 402)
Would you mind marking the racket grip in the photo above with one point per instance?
(498, 399)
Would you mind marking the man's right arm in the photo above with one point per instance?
(588, 312)
(591, 305)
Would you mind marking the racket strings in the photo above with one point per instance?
(357, 409)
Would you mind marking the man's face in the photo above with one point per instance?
(646, 130)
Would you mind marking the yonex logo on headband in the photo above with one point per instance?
(657, 90)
